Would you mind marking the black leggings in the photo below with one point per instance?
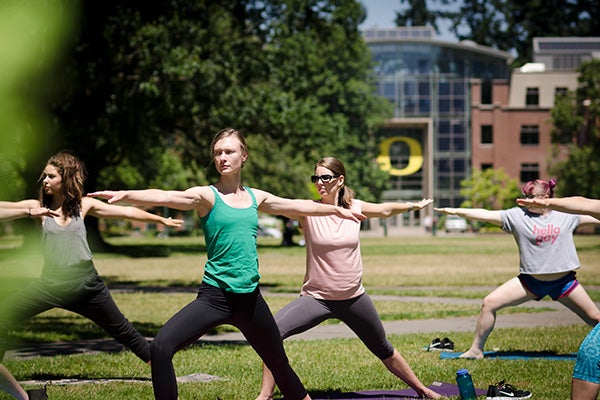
(211, 308)
(89, 297)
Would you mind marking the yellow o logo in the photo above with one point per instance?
(415, 159)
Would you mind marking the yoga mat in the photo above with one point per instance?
(518, 355)
(445, 389)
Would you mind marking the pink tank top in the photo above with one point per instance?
(333, 261)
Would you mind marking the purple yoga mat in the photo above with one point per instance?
(445, 389)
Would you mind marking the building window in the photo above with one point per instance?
(560, 91)
(530, 135)
(532, 97)
(486, 91)
(485, 166)
(487, 134)
(530, 172)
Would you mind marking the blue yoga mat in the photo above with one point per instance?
(517, 355)
(445, 389)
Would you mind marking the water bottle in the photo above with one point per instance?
(465, 385)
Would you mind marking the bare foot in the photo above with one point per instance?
(430, 394)
(472, 355)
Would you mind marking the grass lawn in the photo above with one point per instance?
(150, 289)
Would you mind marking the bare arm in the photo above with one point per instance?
(385, 210)
(24, 209)
(197, 197)
(296, 208)
(100, 209)
(573, 205)
(478, 214)
(588, 220)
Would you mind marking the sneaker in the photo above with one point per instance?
(447, 344)
(504, 391)
(436, 344)
(441, 345)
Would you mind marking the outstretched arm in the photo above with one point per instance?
(100, 209)
(24, 209)
(296, 208)
(385, 210)
(193, 198)
(573, 205)
(479, 214)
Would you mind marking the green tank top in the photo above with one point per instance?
(230, 235)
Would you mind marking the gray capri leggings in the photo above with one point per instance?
(358, 313)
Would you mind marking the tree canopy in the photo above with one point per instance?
(491, 188)
(508, 25)
(146, 85)
(576, 122)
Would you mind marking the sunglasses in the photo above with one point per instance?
(323, 178)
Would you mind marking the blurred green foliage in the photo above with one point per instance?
(32, 35)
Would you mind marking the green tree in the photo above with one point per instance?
(293, 75)
(511, 25)
(419, 14)
(576, 122)
(491, 189)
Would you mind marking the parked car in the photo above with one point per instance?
(454, 223)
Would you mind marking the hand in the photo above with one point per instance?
(175, 223)
(535, 202)
(446, 210)
(110, 195)
(423, 203)
(42, 212)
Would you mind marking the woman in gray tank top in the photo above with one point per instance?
(548, 260)
(69, 279)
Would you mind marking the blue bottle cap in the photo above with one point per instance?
(463, 371)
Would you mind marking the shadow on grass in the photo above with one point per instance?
(70, 329)
(153, 250)
(116, 284)
(78, 378)
(527, 354)
(164, 250)
(95, 342)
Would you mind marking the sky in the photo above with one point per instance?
(382, 13)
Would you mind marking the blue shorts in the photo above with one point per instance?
(556, 289)
(587, 366)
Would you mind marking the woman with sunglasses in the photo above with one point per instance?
(229, 292)
(585, 384)
(333, 280)
(548, 260)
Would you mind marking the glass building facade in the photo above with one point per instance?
(426, 146)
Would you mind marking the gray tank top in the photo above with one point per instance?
(66, 247)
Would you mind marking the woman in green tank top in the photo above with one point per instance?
(229, 292)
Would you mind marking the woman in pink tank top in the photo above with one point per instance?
(332, 285)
